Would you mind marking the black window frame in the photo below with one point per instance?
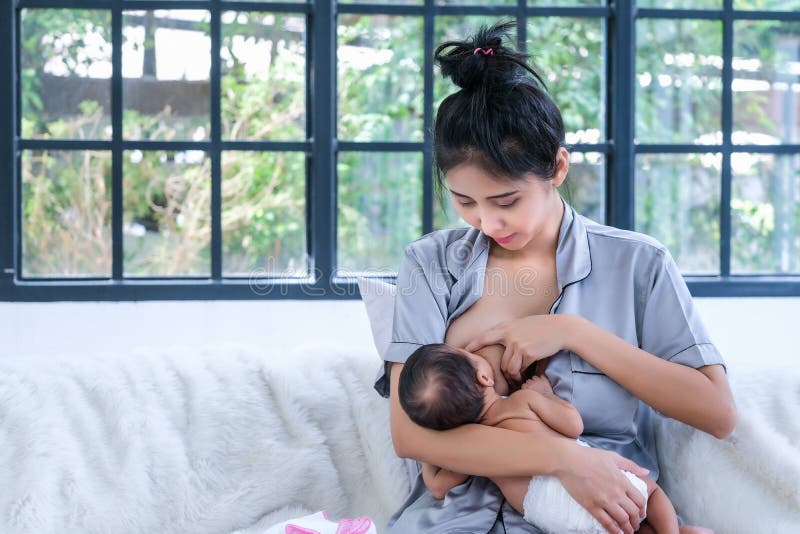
(321, 147)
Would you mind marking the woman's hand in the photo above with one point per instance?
(594, 479)
(526, 340)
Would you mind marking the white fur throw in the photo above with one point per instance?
(233, 440)
(750, 482)
(184, 442)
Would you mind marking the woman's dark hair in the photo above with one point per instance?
(502, 117)
(438, 388)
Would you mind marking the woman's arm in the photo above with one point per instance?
(700, 397)
(591, 476)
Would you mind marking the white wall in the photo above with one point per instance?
(742, 328)
(36, 328)
(754, 329)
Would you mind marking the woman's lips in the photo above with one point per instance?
(504, 240)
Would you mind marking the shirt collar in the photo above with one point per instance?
(573, 259)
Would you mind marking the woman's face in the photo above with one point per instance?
(512, 212)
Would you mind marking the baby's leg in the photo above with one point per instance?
(660, 512)
(514, 490)
(685, 529)
(689, 529)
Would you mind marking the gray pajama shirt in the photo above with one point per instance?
(625, 282)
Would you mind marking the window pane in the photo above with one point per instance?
(165, 90)
(677, 202)
(765, 219)
(766, 84)
(380, 83)
(390, 2)
(678, 70)
(380, 199)
(566, 2)
(777, 5)
(263, 76)
(66, 213)
(264, 214)
(475, 2)
(569, 54)
(681, 4)
(65, 73)
(167, 213)
(585, 186)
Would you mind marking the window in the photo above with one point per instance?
(217, 149)
(717, 140)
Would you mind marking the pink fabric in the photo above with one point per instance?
(319, 523)
(296, 529)
(360, 525)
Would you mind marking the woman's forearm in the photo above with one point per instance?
(488, 451)
(698, 397)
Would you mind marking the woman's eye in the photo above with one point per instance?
(509, 204)
(466, 203)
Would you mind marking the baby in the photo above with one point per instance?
(442, 387)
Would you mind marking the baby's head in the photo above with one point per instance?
(442, 387)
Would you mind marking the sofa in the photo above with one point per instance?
(233, 439)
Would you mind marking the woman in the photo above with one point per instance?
(605, 310)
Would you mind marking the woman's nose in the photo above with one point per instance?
(492, 225)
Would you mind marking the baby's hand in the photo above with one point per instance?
(539, 384)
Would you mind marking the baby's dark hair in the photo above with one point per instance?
(438, 388)
(502, 118)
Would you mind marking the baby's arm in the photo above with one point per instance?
(555, 412)
(439, 480)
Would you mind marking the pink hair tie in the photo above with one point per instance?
(484, 51)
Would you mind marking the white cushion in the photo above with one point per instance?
(378, 298)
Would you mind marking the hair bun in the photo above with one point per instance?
(481, 61)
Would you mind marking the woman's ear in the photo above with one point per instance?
(562, 167)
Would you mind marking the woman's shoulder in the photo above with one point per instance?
(451, 253)
(612, 238)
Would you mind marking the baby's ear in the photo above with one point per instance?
(484, 379)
